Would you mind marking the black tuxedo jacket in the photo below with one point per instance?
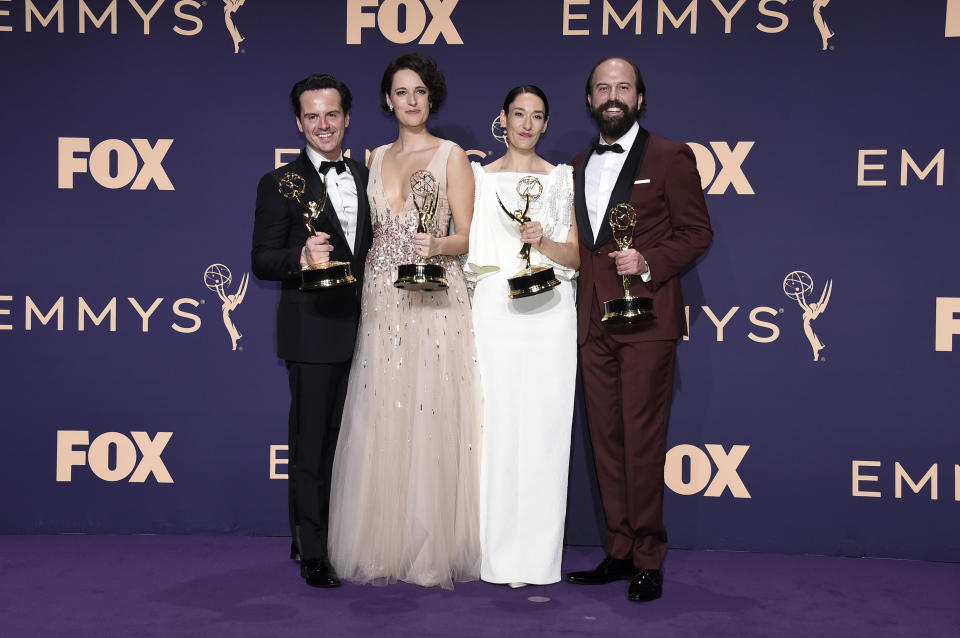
(318, 326)
(660, 179)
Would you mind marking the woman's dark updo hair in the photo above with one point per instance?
(526, 88)
(429, 74)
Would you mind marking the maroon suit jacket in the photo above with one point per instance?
(673, 229)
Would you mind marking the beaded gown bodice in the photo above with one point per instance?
(392, 230)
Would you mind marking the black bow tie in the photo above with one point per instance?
(600, 148)
(325, 166)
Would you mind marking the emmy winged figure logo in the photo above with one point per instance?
(825, 32)
(230, 7)
(797, 285)
(496, 129)
(218, 278)
(952, 29)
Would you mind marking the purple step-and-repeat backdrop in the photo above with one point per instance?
(816, 401)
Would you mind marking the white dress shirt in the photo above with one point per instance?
(599, 178)
(342, 191)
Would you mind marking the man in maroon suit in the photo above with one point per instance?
(628, 371)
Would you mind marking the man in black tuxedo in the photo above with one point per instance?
(316, 330)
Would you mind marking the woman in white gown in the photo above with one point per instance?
(405, 476)
(527, 351)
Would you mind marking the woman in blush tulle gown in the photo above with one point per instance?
(405, 478)
(527, 350)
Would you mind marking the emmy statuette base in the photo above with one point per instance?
(326, 275)
(628, 310)
(424, 277)
(532, 281)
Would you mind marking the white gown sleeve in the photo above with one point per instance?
(557, 217)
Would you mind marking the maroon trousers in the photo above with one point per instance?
(628, 388)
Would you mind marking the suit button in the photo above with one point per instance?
(596, 252)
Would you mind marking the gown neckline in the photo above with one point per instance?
(383, 191)
(547, 174)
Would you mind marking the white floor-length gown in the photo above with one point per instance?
(527, 353)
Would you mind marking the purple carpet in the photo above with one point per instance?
(169, 586)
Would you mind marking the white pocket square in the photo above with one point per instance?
(642, 181)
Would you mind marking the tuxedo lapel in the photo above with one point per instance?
(334, 220)
(580, 201)
(624, 185)
(363, 209)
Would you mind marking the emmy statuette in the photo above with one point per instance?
(532, 280)
(627, 309)
(422, 275)
(316, 276)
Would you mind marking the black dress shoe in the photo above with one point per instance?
(646, 585)
(609, 570)
(294, 552)
(318, 573)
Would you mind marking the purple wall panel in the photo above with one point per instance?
(793, 142)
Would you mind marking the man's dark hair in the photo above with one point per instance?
(526, 88)
(320, 81)
(429, 74)
(641, 87)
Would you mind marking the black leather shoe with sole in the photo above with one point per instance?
(609, 570)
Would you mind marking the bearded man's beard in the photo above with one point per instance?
(613, 128)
